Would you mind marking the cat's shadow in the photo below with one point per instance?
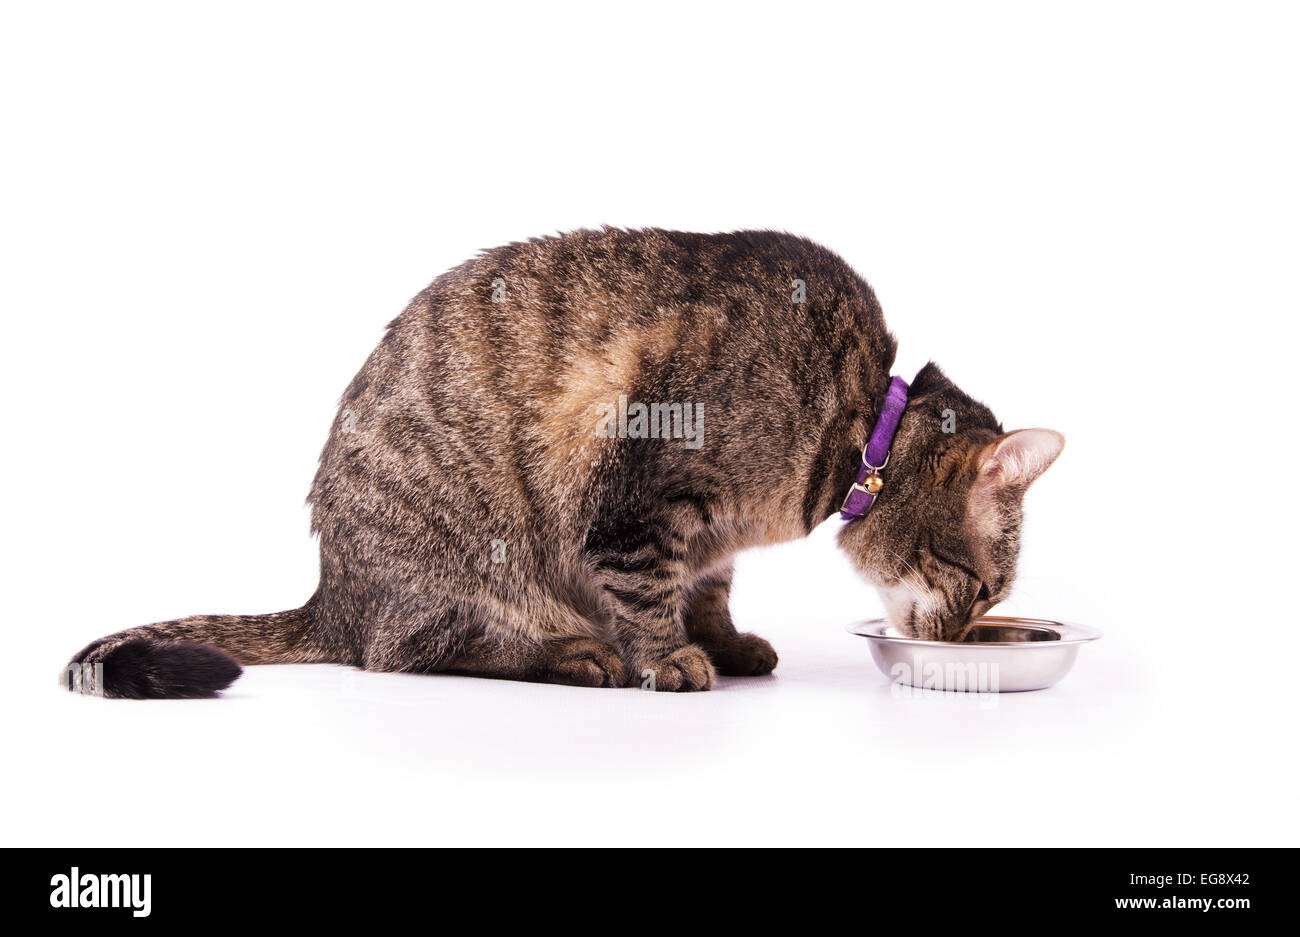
(751, 684)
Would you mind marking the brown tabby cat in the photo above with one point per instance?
(489, 502)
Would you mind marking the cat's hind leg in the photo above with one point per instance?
(547, 644)
(576, 661)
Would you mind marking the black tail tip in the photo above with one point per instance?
(143, 668)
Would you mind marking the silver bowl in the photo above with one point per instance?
(999, 655)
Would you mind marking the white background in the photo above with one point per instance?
(1086, 215)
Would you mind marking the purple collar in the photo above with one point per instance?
(875, 454)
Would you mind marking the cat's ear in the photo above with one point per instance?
(1011, 462)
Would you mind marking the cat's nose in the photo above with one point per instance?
(955, 629)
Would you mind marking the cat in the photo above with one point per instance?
(476, 515)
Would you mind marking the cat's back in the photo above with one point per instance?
(545, 296)
(535, 333)
(645, 268)
(503, 365)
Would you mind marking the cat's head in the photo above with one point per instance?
(941, 541)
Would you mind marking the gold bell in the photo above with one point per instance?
(874, 484)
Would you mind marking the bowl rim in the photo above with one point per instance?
(874, 630)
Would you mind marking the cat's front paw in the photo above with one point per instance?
(685, 669)
(745, 655)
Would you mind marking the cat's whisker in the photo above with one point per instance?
(910, 586)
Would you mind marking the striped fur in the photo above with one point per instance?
(473, 519)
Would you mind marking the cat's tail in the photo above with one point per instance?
(190, 657)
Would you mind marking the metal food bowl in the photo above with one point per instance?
(998, 655)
